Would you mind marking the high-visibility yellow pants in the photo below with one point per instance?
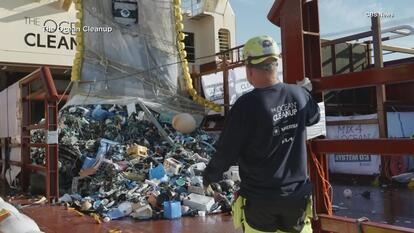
(239, 218)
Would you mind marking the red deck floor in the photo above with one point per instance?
(55, 219)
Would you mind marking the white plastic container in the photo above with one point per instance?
(232, 174)
(199, 202)
(196, 190)
(172, 166)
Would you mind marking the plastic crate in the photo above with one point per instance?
(172, 209)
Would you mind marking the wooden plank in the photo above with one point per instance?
(353, 122)
(332, 224)
(41, 145)
(371, 77)
(350, 109)
(37, 126)
(349, 225)
(383, 228)
(35, 167)
(382, 146)
(33, 95)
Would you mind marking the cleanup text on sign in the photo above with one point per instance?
(352, 158)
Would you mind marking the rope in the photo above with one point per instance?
(326, 186)
(64, 93)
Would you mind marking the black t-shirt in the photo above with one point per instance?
(265, 134)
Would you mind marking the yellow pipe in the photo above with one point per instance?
(77, 61)
(179, 26)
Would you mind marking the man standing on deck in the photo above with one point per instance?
(265, 134)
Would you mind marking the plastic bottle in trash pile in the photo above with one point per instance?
(124, 209)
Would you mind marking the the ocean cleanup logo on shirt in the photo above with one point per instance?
(283, 111)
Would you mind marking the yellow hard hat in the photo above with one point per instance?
(259, 48)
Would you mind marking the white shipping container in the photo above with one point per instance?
(199, 202)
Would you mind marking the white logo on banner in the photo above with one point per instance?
(362, 164)
(238, 85)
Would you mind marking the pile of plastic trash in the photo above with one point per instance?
(116, 163)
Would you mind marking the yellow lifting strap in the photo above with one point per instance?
(4, 214)
(115, 231)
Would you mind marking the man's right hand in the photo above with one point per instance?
(208, 190)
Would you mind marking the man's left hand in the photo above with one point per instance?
(305, 83)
